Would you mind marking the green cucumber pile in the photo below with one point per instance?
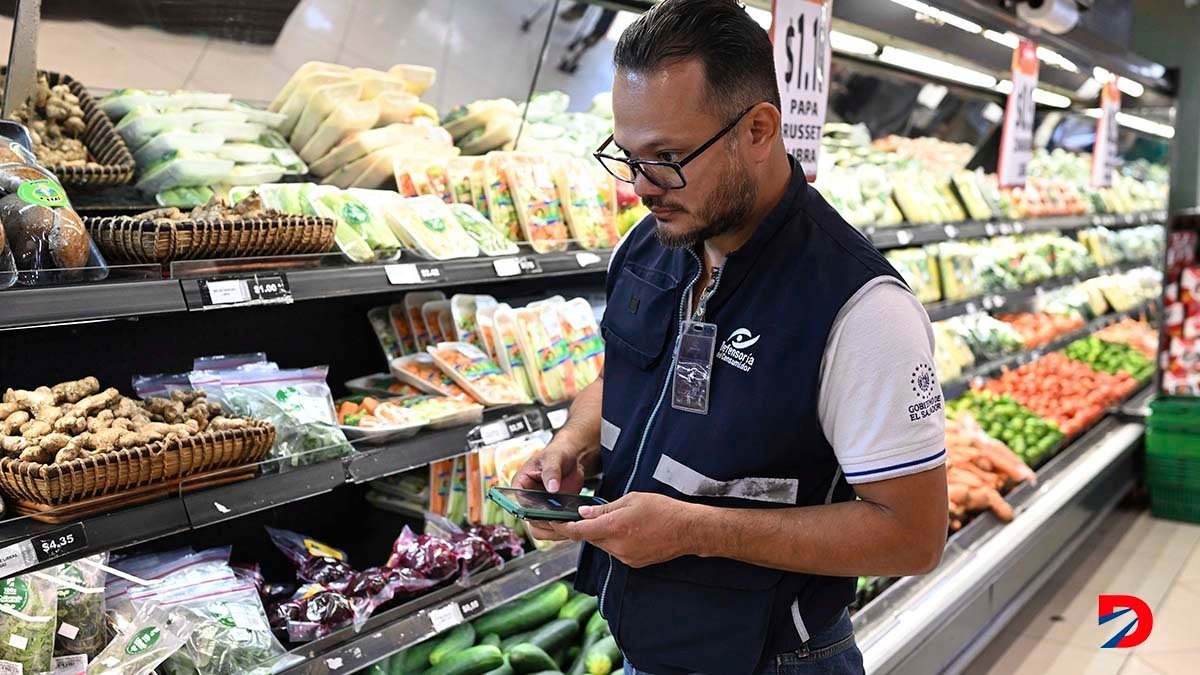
(551, 631)
(1110, 357)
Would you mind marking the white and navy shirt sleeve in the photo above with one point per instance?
(880, 403)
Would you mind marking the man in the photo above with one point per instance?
(732, 454)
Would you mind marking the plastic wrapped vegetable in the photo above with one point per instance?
(546, 353)
(464, 310)
(501, 207)
(433, 313)
(231, 634)
(490, 240)
(591, 220)
(80, 607)
(420, 371)
(431, 556)
(348, 210)
(154, 635)
(315, 562)
(502, 539)
(476, 373)
(583, 336)
(27, 622)
(433, 228)
(413, 303)
(537, 204)
(298, 403)
(508, 352)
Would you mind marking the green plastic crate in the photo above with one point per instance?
(1173, 458)
(1176, 504)
(1173, 427)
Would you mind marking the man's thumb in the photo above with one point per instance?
(599, 509)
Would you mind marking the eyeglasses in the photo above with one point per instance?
(665, 175)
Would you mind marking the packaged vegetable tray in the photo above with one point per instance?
(501, 207)
(349, 211)
(444, 412)
(476, 373)
(490, 240)
(420, 371)
(591, 219)
(583, 337)
(546, 354)
(434, 229)
(413, 304)
(535, 198)
(506, 348)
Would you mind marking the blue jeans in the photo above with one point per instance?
(830, 652)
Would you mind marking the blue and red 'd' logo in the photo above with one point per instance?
(1143, 619)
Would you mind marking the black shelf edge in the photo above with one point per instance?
(21, 307)
(189, 510)
(397, 629)
(955, 388)
(909, 235)
(946, 309)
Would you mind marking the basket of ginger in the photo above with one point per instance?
(75, 448)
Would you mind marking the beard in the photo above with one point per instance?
(725, 211)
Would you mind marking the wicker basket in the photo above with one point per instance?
(134, 468)
(105, 146)
(140, 240)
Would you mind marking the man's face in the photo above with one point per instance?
(665, 115)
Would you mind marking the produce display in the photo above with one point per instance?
(56, 124)
(978, 470)
(1001, 417)
(1110, 357)
(1134, 333)
(486, 125)
(1064, 391)
(1040, 328)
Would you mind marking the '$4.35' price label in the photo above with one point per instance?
(59, 543)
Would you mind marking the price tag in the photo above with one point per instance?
(1016, 137)
(445, 617)
(903, 237)
(59, 543)
(1006, 228)
(493, 433)
(18, 642)
(971, 308)
(17, 557)
(557, 418)
(68, 631)
(800, 39)
(75, 664)
(1104, 150)
(951, 231)
(1018, 227)
(987, 302)
(587, 259)
(513, 267)
(999, 301)
(411, 274)
(259, 289)
(470, 604)
(334, 663)
(990, 229)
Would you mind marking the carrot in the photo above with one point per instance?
(369, 404)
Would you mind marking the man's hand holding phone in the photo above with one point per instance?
(555, 469)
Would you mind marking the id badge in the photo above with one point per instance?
(693, 367)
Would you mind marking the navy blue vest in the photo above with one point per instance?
(760, 446)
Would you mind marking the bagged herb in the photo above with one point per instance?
(231, 634)
(27, 612)
(154, 635)
(80, 606)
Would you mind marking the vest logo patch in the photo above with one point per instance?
(734, 350)
(924, 387)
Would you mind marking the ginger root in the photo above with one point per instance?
(227, 423)
(125, 407)
(7, 409)
(71, 425)
(52, 443)
(165, 410)
(49, 414)
(32, 401)
(90, 405)
(73, 392)
(103, 420)
(13, 445)
(14, 422)
(35, 429)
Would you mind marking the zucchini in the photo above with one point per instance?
(416, 658)
(603, 657)
(526, 613)
(555, 635)
(504, 669)
(579, 608)
(470, 661)
(527, 658)
(596, 625)
(490, 639)
(459, 638)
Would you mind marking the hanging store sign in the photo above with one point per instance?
(1104, 151)
(800, 36)
(1016, 137)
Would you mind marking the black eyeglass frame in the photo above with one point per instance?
(635, 165)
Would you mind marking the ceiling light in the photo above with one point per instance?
(1051, 99)
(1130, 87)
(1101, 74)
(941, 15)
(1007, 38)
(928, 65)
(851, 44)
(1057, 60)
(1004, 87)
(1138, 123)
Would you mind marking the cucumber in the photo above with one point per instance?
(527, 658)
(514, 640)
(504, 669)
(416, 658)
(395, 664)
(596, 625)
(603, 657)
(459, 638)
(579, 608)
(555, 635)
(490, 639)
(577, 663)
(470, 661)
(526, 613)
(376, 669)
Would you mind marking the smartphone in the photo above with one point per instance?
(537, 505)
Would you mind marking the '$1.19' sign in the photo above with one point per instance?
(800, 37)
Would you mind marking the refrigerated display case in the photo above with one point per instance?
(326, 259)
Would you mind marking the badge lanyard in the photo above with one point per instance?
(694, 357)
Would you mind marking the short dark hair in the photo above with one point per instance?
(735, 51)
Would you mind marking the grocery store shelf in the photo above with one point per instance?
(918, 235)
(976, 375)
(188, 510)
(938, 622)
(88, 302)
(397, 629)
(939, 311)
